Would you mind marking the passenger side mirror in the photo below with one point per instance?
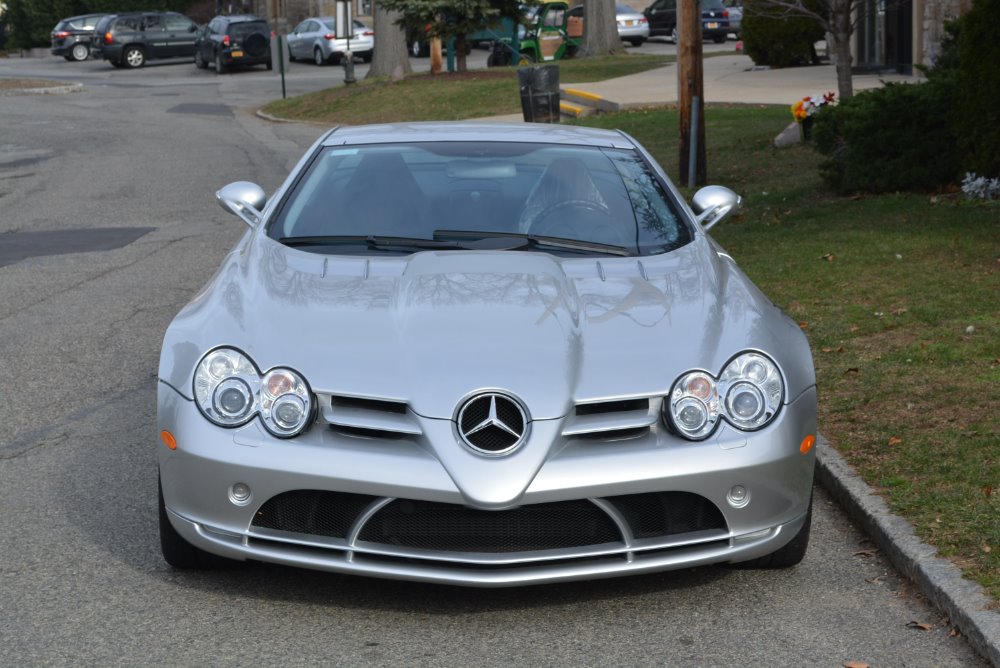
(244, 199)
(713, 203)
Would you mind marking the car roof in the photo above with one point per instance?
(536, 133)
(84, 16)
(239, 18)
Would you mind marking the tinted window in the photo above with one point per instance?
(154, 23)
(178, 23)
(246, 28)
(582, 193)
(126, 23)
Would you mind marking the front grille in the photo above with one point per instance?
(312, 512)
(618, 406)
(452, 528)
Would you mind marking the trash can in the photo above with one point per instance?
(539, 93)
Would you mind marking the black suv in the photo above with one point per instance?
(129, 40)
(71, 37)
(228, 41)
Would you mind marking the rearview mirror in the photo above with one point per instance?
(713, 203)
(243, 199)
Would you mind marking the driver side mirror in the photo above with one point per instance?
(244, 199)
(713, 203)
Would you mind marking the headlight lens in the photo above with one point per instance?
(285, 402)
(747, 394)
(229, 391)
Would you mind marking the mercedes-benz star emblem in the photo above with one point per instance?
(492, 423)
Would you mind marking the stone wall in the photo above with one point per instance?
(935, 14)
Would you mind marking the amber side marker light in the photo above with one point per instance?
(807, 444)
(168, 439)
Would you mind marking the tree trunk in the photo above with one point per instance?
(461, 48)
(391, 58)
(600, 29)
(841, 33)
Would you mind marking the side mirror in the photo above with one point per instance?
(243, 199)
(713, 203)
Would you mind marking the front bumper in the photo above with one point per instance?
(198, 476)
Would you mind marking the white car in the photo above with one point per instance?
(633, 26)
(316, 39)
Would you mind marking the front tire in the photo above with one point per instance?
(788, 555)
(133, 57)
(181, 554)
(80, 52)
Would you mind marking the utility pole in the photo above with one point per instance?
(691, 94)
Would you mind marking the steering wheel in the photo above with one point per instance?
(597, 224)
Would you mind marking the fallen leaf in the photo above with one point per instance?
(865, 553)
(875, 580)
(895, 440)
(854, 328)
(827, 350)
(828, 257)
(898, 311)
(855, 664)
(987, 549)
(954, 633)
(803, 325)
(923, 626)
(988, 491)
(853, 369)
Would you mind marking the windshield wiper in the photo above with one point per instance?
(373, 242)
(516, 240)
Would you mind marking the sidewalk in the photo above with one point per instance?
(731, 78)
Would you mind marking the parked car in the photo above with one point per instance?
(662, 16)
(523, 360)
(633, 26)
(71, 37)
(240, 40)
(132, 38)
(316, 39)
(735, 9)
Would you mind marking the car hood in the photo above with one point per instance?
(434, 327)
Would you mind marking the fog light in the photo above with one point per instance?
(240, 494)
(738, 496)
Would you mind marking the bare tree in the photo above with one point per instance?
(600, 29)
(838, 18)
(391, 57)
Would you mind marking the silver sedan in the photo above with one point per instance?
(524, 360)
(316, 39)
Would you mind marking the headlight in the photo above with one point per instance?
(285, 402)
(747, 394)
(229, 391)
(226, 384)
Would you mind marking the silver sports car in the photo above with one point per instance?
(523, 360)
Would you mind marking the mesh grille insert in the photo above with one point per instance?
(447, 527)
(667, 513)
(312, 512)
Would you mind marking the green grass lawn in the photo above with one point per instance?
(899, 294)
(447, 96)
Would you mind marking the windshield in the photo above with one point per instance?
(244, 29)
(424, 190)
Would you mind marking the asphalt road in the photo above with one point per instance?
(81, 578)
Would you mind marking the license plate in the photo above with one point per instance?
(236, 54)
(630, 23)
(712, 25)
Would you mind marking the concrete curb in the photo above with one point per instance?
(939, 580)
(48, 90)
